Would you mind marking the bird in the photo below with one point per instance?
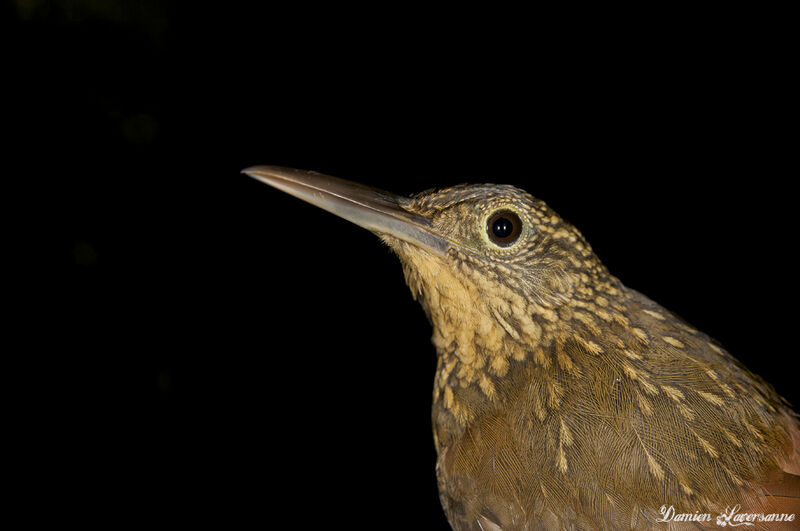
(563, 399)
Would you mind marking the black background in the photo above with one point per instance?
(206, 348)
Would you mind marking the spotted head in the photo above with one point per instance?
(498, 238)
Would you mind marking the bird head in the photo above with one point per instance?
(491, 236)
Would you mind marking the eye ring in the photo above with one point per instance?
(503, 228)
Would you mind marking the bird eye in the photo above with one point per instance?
(504, 228)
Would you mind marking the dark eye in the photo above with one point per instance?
(504, 227)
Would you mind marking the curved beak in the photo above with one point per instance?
(375, 210)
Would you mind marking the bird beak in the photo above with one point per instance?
(375, 210)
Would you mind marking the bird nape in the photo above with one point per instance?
(562, 398)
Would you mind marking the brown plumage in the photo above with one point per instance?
(563, 399)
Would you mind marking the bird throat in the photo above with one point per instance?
(489, 334)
